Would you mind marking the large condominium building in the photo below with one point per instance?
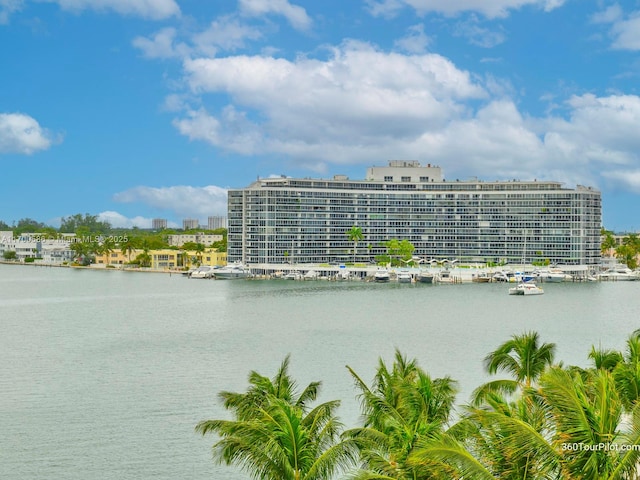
(276, 220)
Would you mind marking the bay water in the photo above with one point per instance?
(104, 374)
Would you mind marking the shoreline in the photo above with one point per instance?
(456, 274)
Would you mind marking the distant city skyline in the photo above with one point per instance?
(154, 109)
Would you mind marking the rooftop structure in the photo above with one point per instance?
(278, 220)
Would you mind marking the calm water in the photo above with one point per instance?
(105, 374)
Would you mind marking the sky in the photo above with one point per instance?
(141, 109)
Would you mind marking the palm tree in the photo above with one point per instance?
(276, 435)
(107, 246)
(502, 440)
(523, 357)
(627, 371)
(403, 407)
(355, 235)
(128, 246)
(587, 414)
(572, 425)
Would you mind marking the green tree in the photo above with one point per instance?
(523, 357)
(403, 407)
(276, 435)
(89, 223)
(355, 235)
(10, 255)
(608, 242)
(627, 254)
(143, 259)
(627, 372)
(129, 245)
(587, 409)
(107, 246)
(28, 225)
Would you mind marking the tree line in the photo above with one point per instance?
(627, 252)
(542, 420)
(96, 237)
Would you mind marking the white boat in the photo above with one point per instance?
(311, 275)
(526, 288)
(293, 276)
(203, 271)
(554, 275)
(504, 276)
(381, 275)
(481, 277)
(426, 277)
(619, 273)
(233, 271)
(404, 276)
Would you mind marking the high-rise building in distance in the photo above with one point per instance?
(158, 223)
(215, 222)
(275, 220)
(190, 224)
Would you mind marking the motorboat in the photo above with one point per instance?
(504, 276)
(445, 276)
(381, 275)
(554, 275)
(619, 273)
(482, 277)
(526, 288)
(425, 277)
(204, 271)
(311, 275)
(232, 272)
(404, 276)
(293, 276)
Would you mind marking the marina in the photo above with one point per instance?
(105, 374)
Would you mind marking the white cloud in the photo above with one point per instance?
(161, 44)
(7, 7)
(184, 201)
(415, 41)
(361, 105)
(151, 9)
(295, 15)
(627, 33)
(611, 14)
(627, 179)
(118, 220)
(359, 96)
(20, 133)
(478, 35)
(224, 33)
(488, 8)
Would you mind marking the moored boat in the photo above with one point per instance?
(232, 272)
(425, 277)
(204, 271)
(482, 277)
(404, 276)
(381, 275)
(554, 275)
(526, 288)
(619, 274)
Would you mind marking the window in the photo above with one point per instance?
(388, 178)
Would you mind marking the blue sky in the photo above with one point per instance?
(139, 109)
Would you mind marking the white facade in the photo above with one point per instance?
(34, 245)
(204, 239)
(190, 223)
(276, 220)
(213, 223)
